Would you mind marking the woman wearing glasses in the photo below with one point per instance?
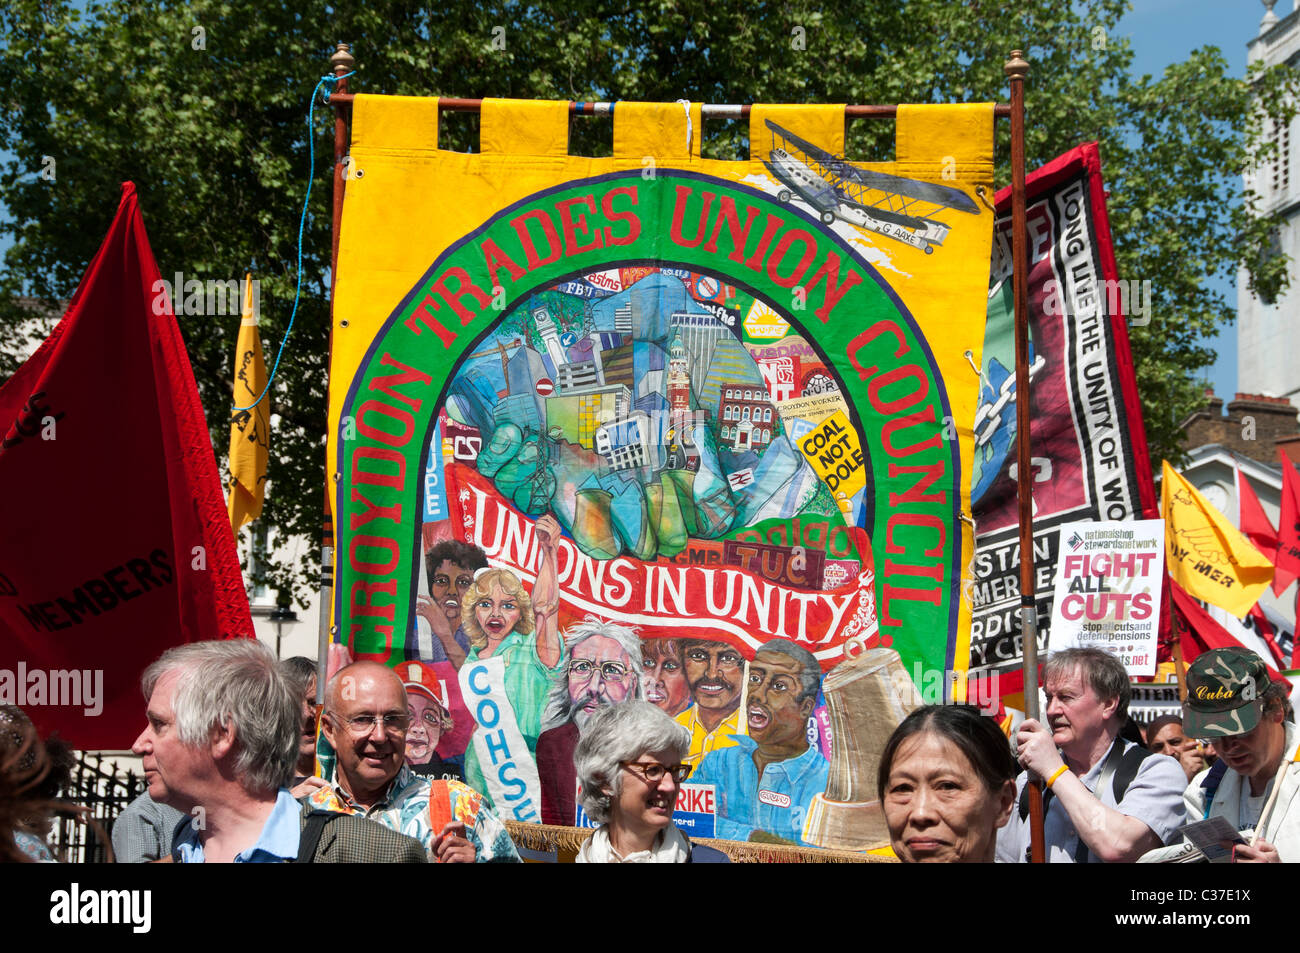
(629, 766)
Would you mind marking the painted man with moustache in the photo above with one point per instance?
(714, 671)
(767, 779)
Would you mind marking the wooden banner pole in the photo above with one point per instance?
(341, 63)
(1017, 69)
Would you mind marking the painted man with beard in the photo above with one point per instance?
(714, 671)
(766, 781)
(604, 669)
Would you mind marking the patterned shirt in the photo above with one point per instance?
(143, 832)
(406, 809)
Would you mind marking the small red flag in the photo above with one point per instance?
(116, 542)
(1287, 562)
(1200, 633)
(1253, 521)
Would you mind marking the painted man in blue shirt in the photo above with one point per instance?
(768, 779)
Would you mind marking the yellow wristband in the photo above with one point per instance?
(1056, 774)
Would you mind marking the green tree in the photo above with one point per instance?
(203, 106)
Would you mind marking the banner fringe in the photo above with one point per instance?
(569, 840)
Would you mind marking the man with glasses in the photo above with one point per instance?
(366, 718)
(220, 746)
(603, 670)
(766, 781)
(714, 671)
(1231, 699)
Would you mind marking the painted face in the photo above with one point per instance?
(1169, 740)
(600, 674)
(173, 770)
(448, 587)
(713, 670)
(773, 711)
(307, 735)
(497, 613)
(425, 732)
(1257, 750)
(367, 762)
(645, 807)
(1074, 713)
(937, 808)
(665, 680)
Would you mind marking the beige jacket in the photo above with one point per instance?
(1282, 825)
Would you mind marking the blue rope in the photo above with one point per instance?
(331, 81)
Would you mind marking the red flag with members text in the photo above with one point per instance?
(116, 542)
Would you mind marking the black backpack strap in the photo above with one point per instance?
(1023, 806)
(312, 828)
(1210, 783)
(1128, 769)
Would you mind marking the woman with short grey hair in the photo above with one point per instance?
(629, 767)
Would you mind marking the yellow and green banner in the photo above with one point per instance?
(725, 406)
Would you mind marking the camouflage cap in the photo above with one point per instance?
(1224, 693)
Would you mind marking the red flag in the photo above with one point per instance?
(1265, 630)
(116, 543)
(1288, 529)
(1253, 521)
(1200, 633)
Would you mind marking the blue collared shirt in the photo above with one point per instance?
(776, 803)
(277, 843)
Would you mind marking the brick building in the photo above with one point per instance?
(1255, 427)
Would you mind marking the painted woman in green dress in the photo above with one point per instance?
(502, 621)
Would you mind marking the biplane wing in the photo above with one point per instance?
(840, 167)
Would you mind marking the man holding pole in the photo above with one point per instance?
(1107, 800)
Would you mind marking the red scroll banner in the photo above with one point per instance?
(1089, 450)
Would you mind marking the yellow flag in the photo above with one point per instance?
(249, 429)
(1207, 555)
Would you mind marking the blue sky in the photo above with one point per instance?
(1166, 31)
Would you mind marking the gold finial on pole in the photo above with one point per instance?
(1016, 67)
(342, 60)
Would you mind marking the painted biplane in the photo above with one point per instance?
(890, 205)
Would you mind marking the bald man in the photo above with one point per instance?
(365, 720)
